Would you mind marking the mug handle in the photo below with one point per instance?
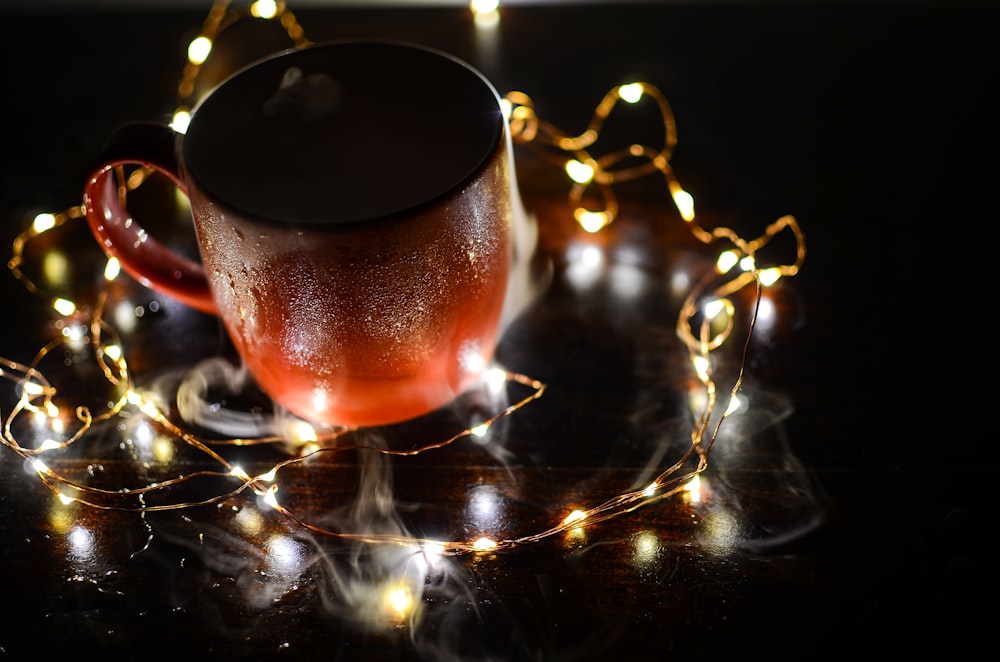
(145, 259)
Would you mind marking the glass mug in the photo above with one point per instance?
(353, 203)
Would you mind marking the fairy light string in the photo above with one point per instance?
(705, 324)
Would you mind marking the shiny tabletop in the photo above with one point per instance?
(843, 508)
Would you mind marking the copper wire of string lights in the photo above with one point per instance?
(705, 324)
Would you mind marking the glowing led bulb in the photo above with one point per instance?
(770, 276)
(734, 405)
(198, 49)
(727, 260)
(684, 202)
(591, 221)
(49, 444)
(575, 516)
(63, 306)
(270, 497)
(112, 268)
(693, 489)
(581, 173)
(181, 120)
(264, 9)
(496, 379)
(239, 472)
(714, 307)
(484, 545)
(631, 92)
(701, 367)
(43, 222)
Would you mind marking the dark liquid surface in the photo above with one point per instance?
(343, 132)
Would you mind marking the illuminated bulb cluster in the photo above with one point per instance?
(710, 302)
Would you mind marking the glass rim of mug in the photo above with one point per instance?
(380, 150)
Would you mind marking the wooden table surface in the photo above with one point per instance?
(846, 511)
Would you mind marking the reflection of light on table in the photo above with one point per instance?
(645, 549)
(81, 544)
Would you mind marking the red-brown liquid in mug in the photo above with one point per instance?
(359, 243)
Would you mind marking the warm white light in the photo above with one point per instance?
(198, 49)
(113, 352)
(684, 202)
(433, 549)
(714, 307)
(33, 388)
(650, 490)
(591, 221)
(480, 430)
(239, 472)
(748, 263)
(148, 407)
(64, 306)
(575, 516)
(701, 366)
(727, 260)
(301, 432)
(484, 545)
(181, 120)
(770, 276)
(631, 92)
(484, 6)
(264, 9)
(112, 268)
(270, 498)
(734, 404)
(43, 222)
(693, 489)
(49, 444)
(400, 600)
(581, 173)
(496, 379)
